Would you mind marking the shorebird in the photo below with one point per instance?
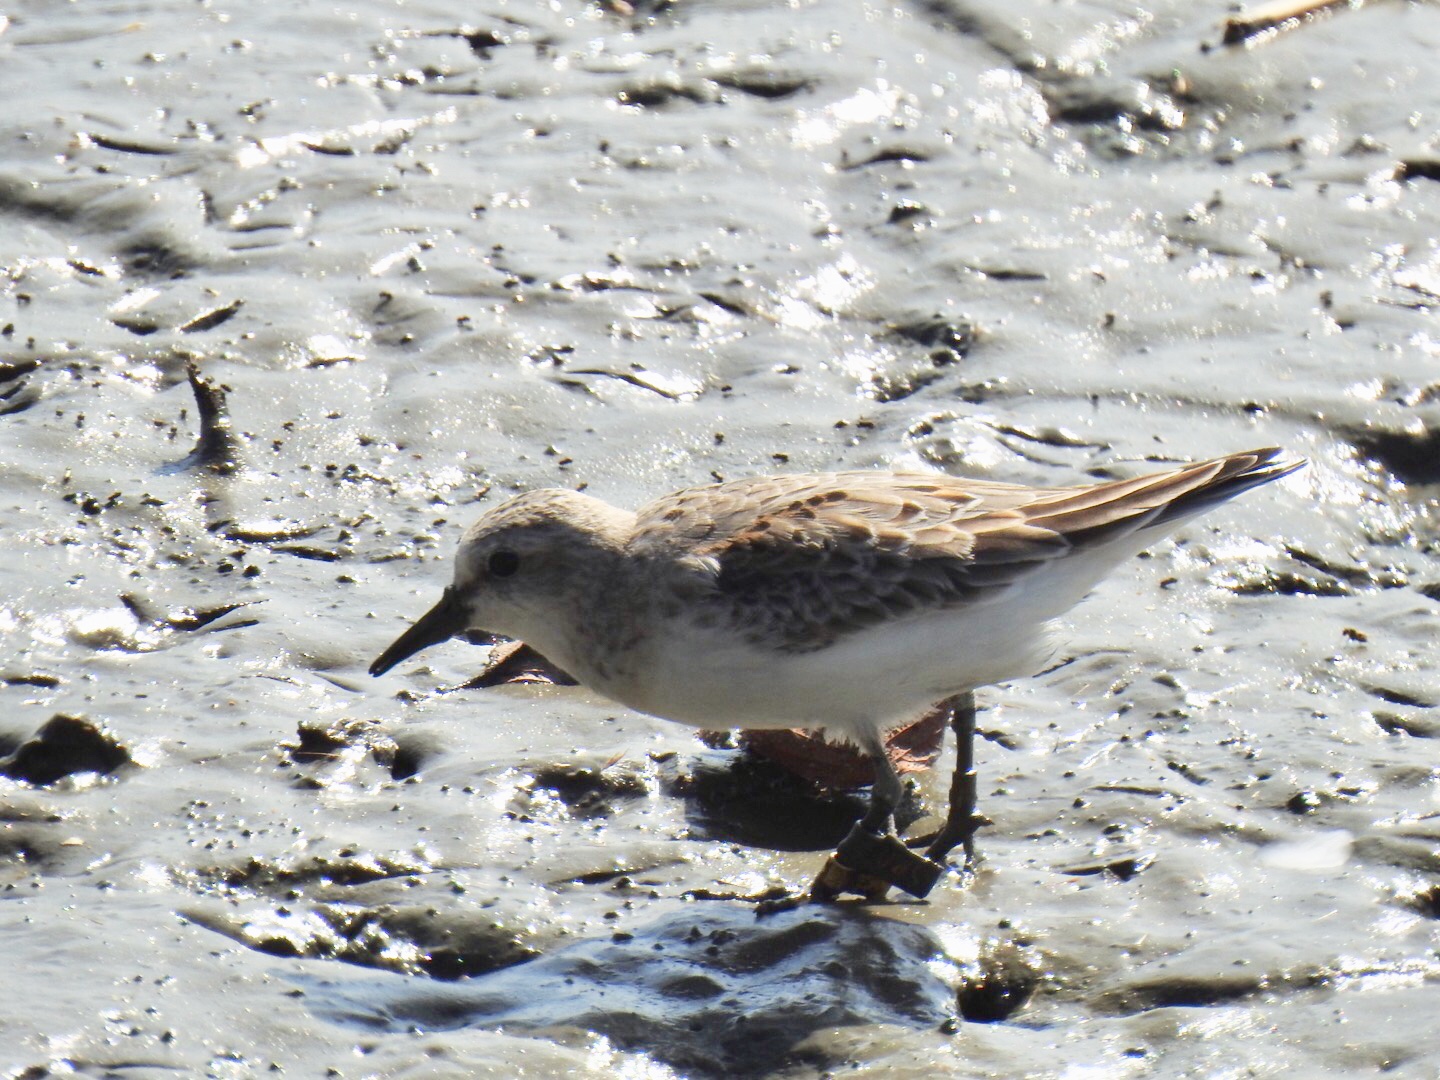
(850, 601)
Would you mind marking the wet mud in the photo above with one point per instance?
(289, 296)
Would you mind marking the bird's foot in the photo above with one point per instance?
(955, 833)
(868, 863)
(834, 880)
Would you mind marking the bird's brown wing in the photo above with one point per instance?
(803, 560)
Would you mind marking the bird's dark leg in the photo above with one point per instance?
(962, 819)
(872, 858)
(885, 792)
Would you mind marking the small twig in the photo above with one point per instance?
(1268, 20)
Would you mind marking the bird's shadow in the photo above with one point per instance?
(741, 798)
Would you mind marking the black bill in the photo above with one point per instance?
(440, 623)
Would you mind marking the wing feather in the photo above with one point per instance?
(803, 560)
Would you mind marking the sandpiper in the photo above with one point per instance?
(848, 600)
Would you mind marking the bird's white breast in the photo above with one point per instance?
(871, 678)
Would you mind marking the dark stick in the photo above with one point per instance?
(216, 448)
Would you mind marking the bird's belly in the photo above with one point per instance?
(869, 678)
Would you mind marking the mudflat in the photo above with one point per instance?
(291, 296)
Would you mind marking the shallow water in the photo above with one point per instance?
(434, 260)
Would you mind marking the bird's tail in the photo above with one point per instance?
(1233, 475)
(1156, 502)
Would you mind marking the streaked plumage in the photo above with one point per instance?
(848, 600)
(802, 560)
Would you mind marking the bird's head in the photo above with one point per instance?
(519, 571)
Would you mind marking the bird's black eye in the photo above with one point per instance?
(503, 563)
